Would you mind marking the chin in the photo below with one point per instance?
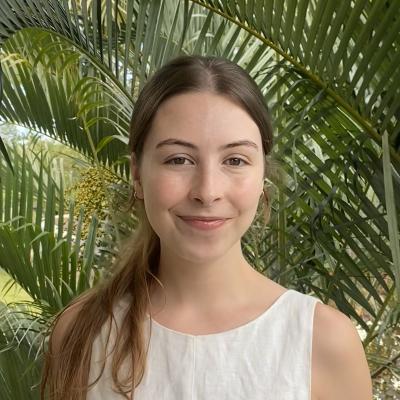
(202, 254)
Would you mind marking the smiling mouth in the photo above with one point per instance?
(202, 218)
(203, 224)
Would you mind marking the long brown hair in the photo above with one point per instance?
(66, 373)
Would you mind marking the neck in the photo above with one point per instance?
(203, 285)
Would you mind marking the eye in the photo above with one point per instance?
(172, 161)
(181, 161)
(237, 159)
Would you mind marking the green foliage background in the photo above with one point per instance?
(72, 69)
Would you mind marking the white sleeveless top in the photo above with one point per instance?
(268, 358)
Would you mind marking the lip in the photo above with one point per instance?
(203, 224)
(200, 218)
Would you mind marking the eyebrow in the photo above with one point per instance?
(179, 142)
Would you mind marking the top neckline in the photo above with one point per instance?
(229, 331)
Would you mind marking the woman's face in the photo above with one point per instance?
(191, 167)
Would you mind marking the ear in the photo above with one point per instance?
(136, 175)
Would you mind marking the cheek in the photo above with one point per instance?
(162, 194)
(248, 191)
(164, 189)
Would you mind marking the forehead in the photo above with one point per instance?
(204, 118)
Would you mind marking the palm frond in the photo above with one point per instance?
(329, 71)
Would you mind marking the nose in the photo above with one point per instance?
(207, 186)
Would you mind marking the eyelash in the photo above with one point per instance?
(184, 158)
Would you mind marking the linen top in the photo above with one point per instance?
(268, 358)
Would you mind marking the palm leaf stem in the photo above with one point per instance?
(379, 370)
(371, 332)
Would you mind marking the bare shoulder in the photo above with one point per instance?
(339, 360)
(63, 323)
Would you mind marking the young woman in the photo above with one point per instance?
(184, 316)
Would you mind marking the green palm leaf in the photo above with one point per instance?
(329, 71)
(38, 249)
(20, 368)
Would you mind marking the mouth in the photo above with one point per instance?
(204, 223)
(199, 218)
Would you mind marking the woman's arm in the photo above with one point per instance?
(342, 366)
